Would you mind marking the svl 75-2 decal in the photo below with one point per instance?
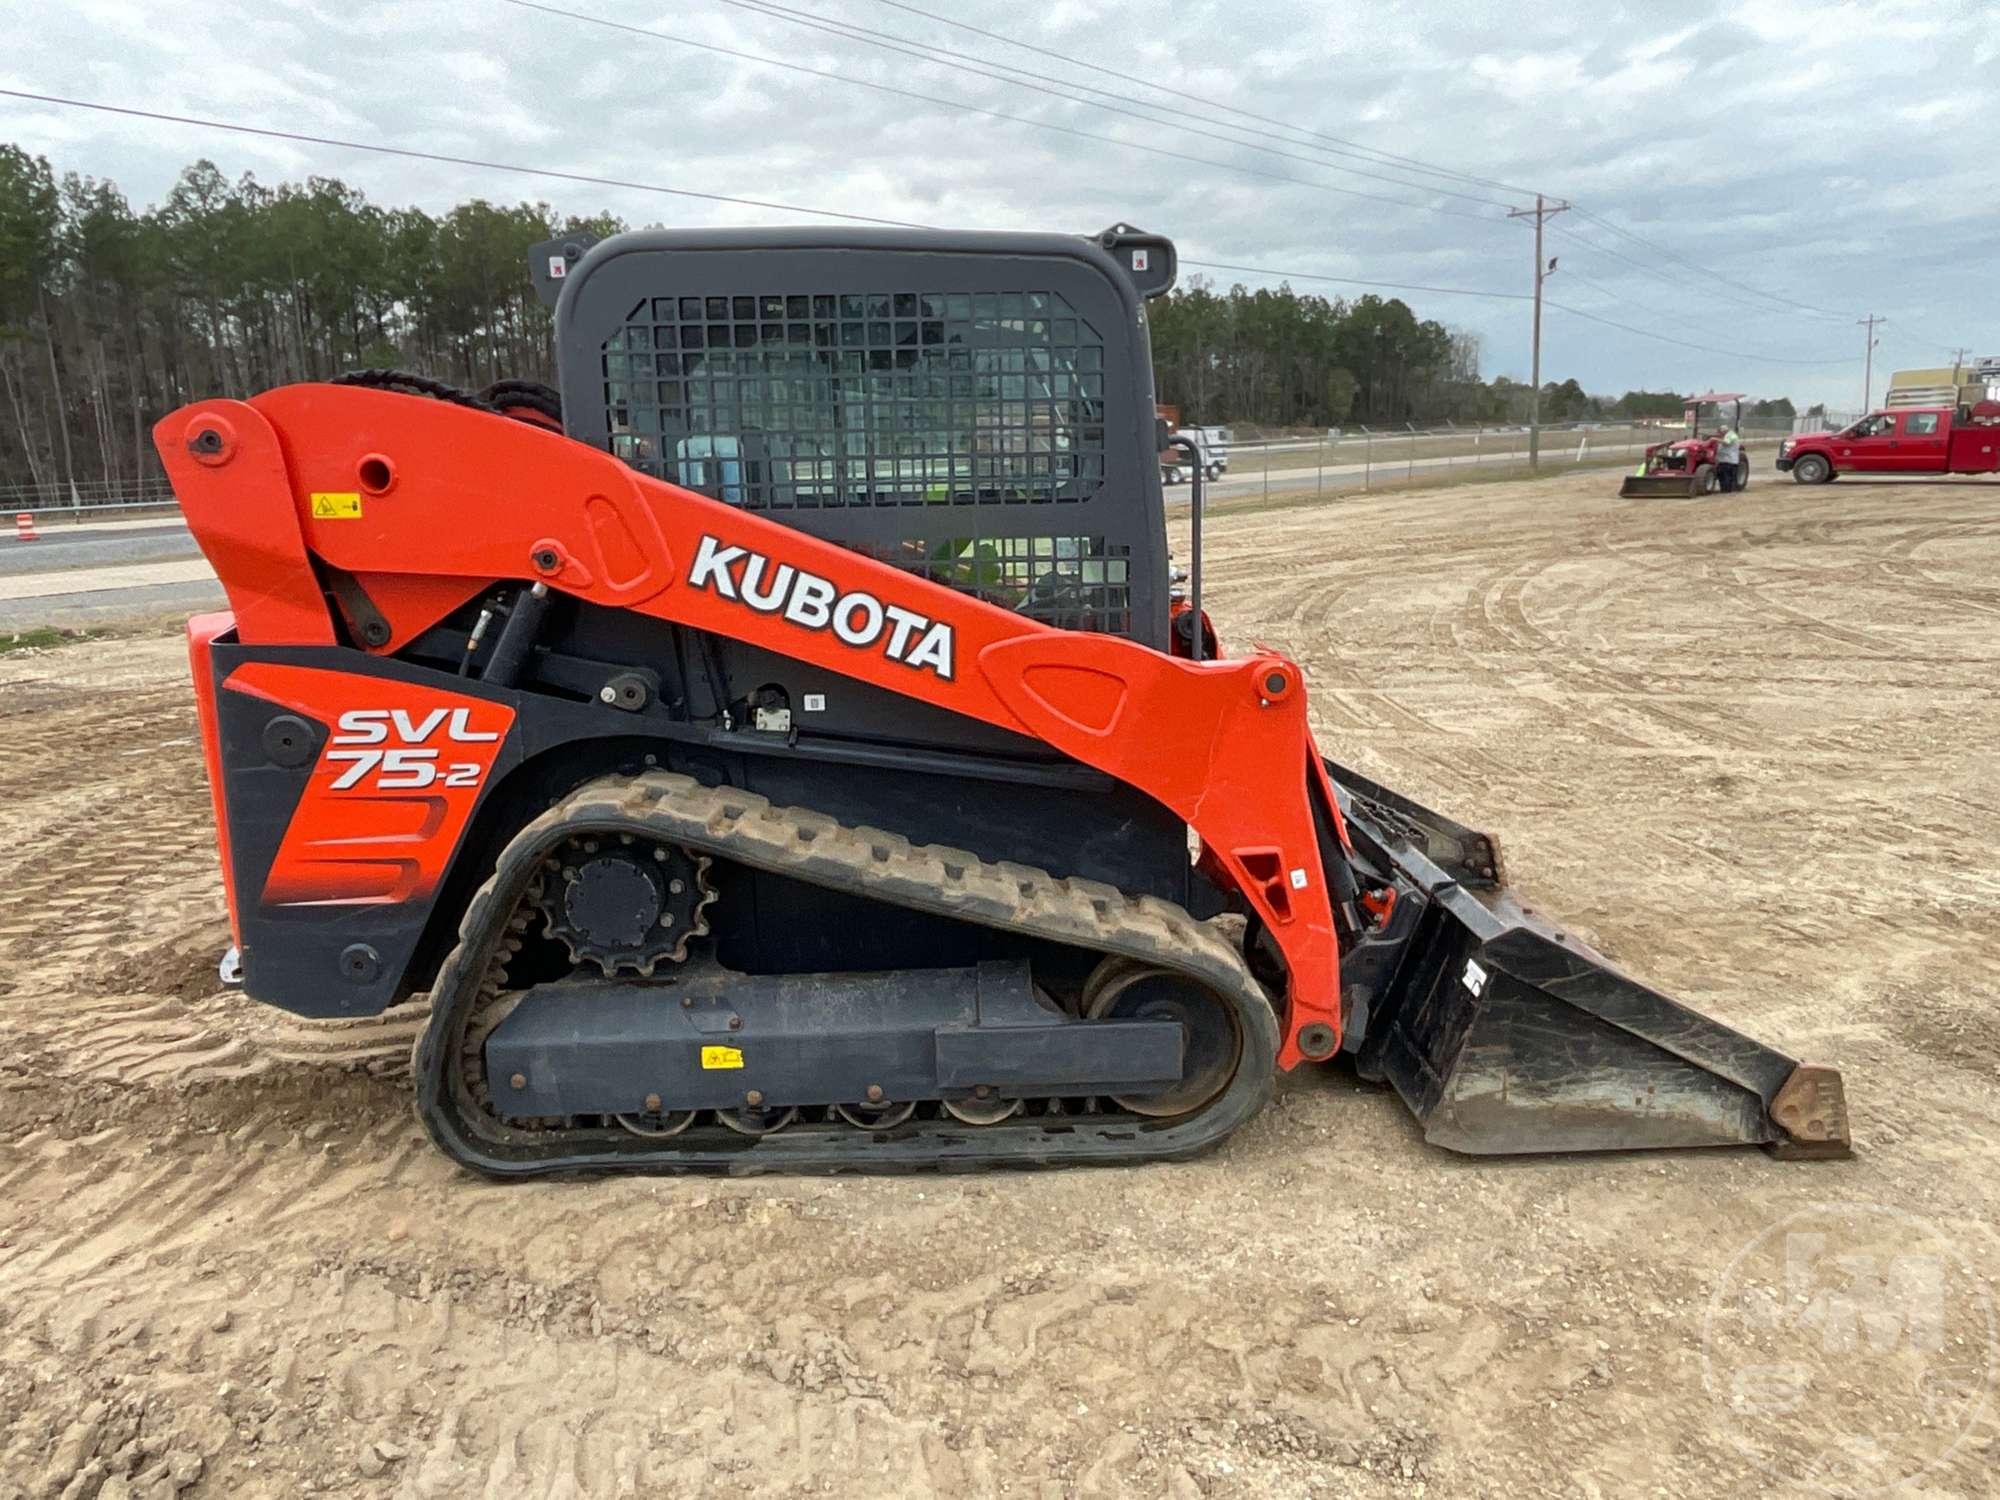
(392, 746)
(401, 768)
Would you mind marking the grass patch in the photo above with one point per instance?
(47, 638)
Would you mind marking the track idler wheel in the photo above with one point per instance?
(657, 1125)
(875, 1116)
(1122, 990)
(976, 1111)
(756, 1120)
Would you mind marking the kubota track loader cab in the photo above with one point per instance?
(790, 764)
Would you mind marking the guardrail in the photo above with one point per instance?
(54, 502)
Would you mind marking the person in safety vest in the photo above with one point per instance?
(1729, 465)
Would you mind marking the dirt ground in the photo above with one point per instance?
(1748, 746)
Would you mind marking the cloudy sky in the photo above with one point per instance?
(1748, 177)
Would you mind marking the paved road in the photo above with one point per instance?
(112, 605)
(95, 547)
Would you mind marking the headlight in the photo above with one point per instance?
(1784, 447)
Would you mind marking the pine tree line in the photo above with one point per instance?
(111, 317)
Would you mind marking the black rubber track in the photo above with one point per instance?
(737, 825)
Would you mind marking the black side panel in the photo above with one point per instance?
(342, 959)
(718, 672)
(705, 1037)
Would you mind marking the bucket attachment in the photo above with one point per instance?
(1642, 486)
(1504, 1034)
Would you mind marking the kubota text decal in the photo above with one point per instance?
(857, 618)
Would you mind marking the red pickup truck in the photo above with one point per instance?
(1906, 440)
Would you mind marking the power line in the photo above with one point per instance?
(552, 174)
(851, 31)
(977, 109)
(1570, 273)
(449, 160)
(1410, 163)
(1511, 297)
(1399, 286)
(1908, 336)
(1352, 148)
(1059, 88)
(1618, 298)
(1670, 278)
(769, 7)
(1707, 271)
(1577, 312)
(653, 187)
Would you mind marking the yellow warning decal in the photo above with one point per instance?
(721, 1057)
(336, 506)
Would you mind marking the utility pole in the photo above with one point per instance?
(1868, 361)
(1543, 209)
(1958, 364)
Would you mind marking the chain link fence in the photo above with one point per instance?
(1363, 458)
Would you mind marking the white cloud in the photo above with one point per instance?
(1815, 151)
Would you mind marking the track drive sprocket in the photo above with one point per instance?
(624, 904)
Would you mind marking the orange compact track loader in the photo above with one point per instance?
(781, 749)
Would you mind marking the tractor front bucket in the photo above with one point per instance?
(1505, 1034)
(1641, 486)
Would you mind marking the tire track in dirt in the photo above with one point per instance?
(1642, 715)
(1906, 579)
(1911, 542)
(134, 1039)
(1408, 736)
(542, 1369)
(1594, 681)
(1724, 579)
(1905, 573)
(1466, 768)
(1339, 684)
(1902, 538)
